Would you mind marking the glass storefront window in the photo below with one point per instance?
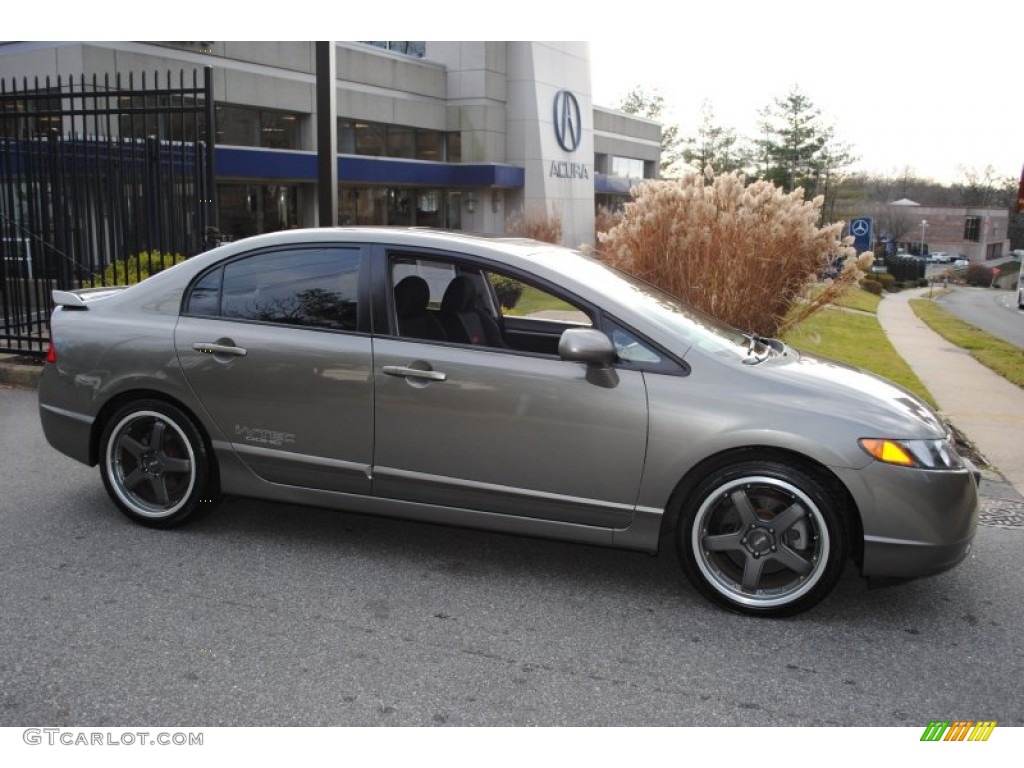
(346, 137)
(627, 167)
(454, 148)
(362, 205)
(361, 137)
(237, 126)
(415, 48)
(244, 127)
(429, 145)
(252, 209)
(394, 206)
(370, 139)
(401, 141)
(428, 209)
(400, 207)
(279, 130)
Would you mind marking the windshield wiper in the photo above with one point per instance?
(768, 345)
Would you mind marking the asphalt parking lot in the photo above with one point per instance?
(263, 614)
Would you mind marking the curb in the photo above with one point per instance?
(17, 374)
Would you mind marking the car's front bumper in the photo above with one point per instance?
(916, 522)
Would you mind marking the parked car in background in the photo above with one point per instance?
(374, 370)
(961, 263)
(941, 257)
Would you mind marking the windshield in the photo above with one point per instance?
(693, 327)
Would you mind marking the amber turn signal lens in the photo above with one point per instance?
(888, 451)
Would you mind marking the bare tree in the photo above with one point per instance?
(984, 188)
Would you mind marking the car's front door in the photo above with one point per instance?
(502, 430)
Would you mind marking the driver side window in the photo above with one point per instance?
(442, 301)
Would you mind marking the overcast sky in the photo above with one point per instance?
(932, 85)
(906, 83)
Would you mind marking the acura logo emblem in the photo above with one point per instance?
(568, 125)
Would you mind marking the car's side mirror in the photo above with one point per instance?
(586, 345)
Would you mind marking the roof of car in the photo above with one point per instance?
(402, 235)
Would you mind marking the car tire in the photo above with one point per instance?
(155, 464)
(762, 538)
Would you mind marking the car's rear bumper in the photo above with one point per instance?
(65, 429)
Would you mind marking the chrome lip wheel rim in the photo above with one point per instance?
(760, 542)
(151, 464)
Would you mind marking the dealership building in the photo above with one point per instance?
(466, 135)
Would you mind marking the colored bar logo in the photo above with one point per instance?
(958, 730)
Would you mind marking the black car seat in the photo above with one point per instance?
(412, 295)
(464, 318)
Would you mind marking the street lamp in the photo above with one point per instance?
(924, 225)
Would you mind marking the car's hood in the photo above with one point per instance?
(884, 409)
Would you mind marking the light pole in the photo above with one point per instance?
(924, 225)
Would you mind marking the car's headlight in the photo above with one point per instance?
(923, 454)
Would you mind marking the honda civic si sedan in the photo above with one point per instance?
(501, 384)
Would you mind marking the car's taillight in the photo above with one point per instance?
(51, 353)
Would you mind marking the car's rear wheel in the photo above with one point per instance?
(763, 538)
(155, 464)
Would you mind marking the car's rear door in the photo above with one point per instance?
(500, 429)
(273, 346)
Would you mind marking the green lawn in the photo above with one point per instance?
(1002, 357)
(858, 298)
(534, 300)
(856, 339)
(854, 298)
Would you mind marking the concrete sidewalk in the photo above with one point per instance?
(987, 408)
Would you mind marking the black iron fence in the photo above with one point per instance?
(98, 179)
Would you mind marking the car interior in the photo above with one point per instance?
(454, 303)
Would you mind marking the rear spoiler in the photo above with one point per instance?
(80, 299)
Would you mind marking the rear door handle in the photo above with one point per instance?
(219, 348)
(414, 373)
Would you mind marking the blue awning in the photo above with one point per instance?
(258, 163)
(614, 185)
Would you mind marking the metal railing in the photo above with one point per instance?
(93, 172)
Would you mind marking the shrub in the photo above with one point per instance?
(978, 274)
(135, 269)
(748, 254)
(605, 220)
(922, 282)
(537, 224)
(872, 286)
(508, 290)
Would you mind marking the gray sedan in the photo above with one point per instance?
(507, 385)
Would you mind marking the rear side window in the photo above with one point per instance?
(309, 287)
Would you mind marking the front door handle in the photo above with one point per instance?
(414, 373)
(219, 347)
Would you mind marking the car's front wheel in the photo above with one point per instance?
(763, 538)
(155, 464)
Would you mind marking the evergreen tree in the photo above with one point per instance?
(715, 145)
(797, 149)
